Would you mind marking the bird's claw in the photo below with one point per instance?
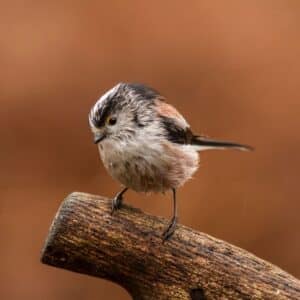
(116, 203)
(170, 229)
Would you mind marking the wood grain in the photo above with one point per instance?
(127, 248)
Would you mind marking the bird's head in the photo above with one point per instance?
(121, 111)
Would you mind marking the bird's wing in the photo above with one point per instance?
(178, 131)
(176, 128)
(175, 133)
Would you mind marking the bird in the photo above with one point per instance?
(146, 144)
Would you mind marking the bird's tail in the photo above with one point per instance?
(204, 143)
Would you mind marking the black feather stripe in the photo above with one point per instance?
(175, 133)
(146, 92)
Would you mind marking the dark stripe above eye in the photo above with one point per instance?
(103, 112)
(121, 98)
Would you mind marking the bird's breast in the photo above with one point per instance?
(149, 167)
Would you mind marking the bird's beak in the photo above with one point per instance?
(98, 137)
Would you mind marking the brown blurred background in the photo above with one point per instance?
(231, 67)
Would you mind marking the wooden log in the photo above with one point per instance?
(127, 248)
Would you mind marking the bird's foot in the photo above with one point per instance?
(170, 230)
(116, 202)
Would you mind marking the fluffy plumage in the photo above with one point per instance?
(144, 142)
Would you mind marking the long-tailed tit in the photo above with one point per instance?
(146, 144)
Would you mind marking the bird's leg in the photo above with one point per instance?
(117, 200)
(171, 228)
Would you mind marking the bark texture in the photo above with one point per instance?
(127, 248)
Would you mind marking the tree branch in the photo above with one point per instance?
(127, 248)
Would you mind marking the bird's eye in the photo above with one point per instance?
(111, 121)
